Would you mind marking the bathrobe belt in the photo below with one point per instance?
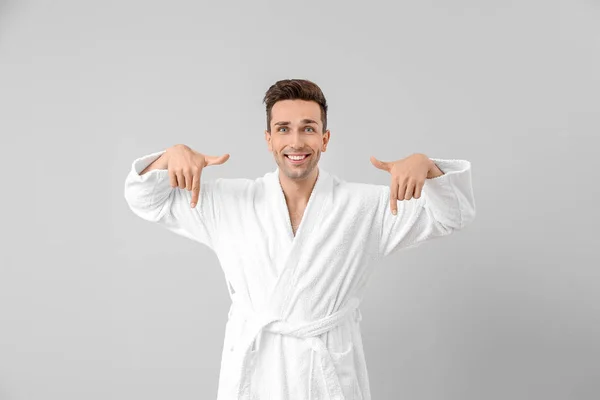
(258, 322)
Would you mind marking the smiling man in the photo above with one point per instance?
(298, 245)
(296, 137)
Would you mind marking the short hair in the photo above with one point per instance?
(295, 89)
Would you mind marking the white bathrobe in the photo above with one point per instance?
(294, 324)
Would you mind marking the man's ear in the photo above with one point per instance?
(326, 137)
(268, 139)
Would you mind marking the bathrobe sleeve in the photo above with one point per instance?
(446, 204)
(151, 197)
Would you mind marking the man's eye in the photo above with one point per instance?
(308, 127)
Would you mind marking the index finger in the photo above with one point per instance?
(394, 196)
(196, 187)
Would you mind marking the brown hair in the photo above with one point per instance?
(292, 89)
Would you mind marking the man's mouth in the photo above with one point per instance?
(296, 159)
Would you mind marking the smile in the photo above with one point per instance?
(297, 159)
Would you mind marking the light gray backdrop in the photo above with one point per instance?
(98, 304)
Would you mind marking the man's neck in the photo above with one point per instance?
(297, 191)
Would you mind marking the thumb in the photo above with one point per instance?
(214, 160)
(379, 164)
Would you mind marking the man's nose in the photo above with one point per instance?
(296, 139)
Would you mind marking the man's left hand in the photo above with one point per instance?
(408, 176)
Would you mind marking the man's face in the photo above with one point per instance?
(296, 129)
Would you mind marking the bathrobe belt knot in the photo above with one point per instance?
(309, 331)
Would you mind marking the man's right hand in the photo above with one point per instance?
(185, 167)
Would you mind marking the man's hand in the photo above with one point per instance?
(408, 176)
(185, 167)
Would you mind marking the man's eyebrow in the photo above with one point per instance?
(304, 121)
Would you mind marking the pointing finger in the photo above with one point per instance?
(394, 196)
(196, 187)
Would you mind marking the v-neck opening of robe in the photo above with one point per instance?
(286, 212)
(320, 198)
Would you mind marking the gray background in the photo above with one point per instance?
(96, 303)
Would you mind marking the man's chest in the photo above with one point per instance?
(296, 217)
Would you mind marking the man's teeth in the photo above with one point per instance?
(297, 158)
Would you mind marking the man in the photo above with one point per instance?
(298, 245)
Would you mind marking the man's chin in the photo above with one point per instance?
(297, 173)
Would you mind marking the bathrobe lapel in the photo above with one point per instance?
(320, 200)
